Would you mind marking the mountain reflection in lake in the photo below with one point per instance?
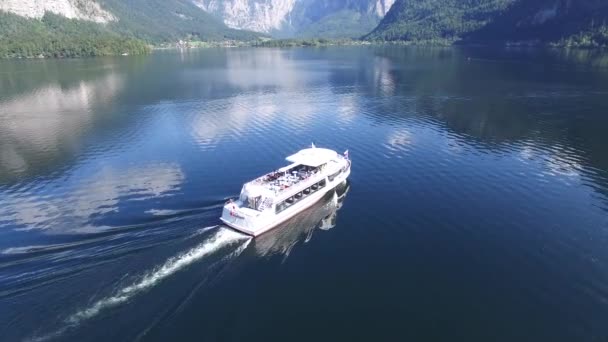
(477, 208)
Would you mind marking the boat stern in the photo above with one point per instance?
(239, 218)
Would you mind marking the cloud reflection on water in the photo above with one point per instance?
(97, 195)
(40, 124)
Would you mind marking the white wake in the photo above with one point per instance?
(222, 238)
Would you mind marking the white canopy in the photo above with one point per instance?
(313, 157)
(254, 190)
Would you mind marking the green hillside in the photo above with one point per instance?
(56, 36)
(157, 21)
(428, 20)
(545, 21)
(342, 24)
(558, 22)
(140, 23)
(593, 37)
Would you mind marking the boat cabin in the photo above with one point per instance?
(307, 167)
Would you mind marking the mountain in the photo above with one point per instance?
(57, 36)
(169, 20)
(414, 20)
(337, 18)
(303, 18)
(74, 28)
(261, 16)
(85, 10)
(538, 21)
(545, 20)
(151, 20)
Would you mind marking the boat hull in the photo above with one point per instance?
(262, 223)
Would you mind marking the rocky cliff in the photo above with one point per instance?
(282, 18)
(256, 15)
(291, 17)
(73, 9)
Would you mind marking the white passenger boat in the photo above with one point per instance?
(273, 198)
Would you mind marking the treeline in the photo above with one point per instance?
(292, 42)
(595, 37)
(56, 36)
(305, 42)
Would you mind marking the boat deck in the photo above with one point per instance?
(279, 181)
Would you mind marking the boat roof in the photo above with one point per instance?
(312, 157)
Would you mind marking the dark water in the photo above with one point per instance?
(477, 208)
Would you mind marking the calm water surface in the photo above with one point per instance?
(477, 208)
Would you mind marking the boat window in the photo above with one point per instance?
(299, 196)
(332, 177)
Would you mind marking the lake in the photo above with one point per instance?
(477, 207)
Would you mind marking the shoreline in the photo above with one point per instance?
(323, 42)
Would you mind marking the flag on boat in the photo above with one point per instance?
(346, 154)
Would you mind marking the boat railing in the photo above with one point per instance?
(304, 183)
(287, 181)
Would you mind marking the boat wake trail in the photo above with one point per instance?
(222, 238)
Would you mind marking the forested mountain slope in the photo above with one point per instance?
(169, 20)
(538, 21)
(56, 36)
(74, 28)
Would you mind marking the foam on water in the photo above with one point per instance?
(222, 238)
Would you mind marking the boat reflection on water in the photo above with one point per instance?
(329, 221)
(301, 227)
